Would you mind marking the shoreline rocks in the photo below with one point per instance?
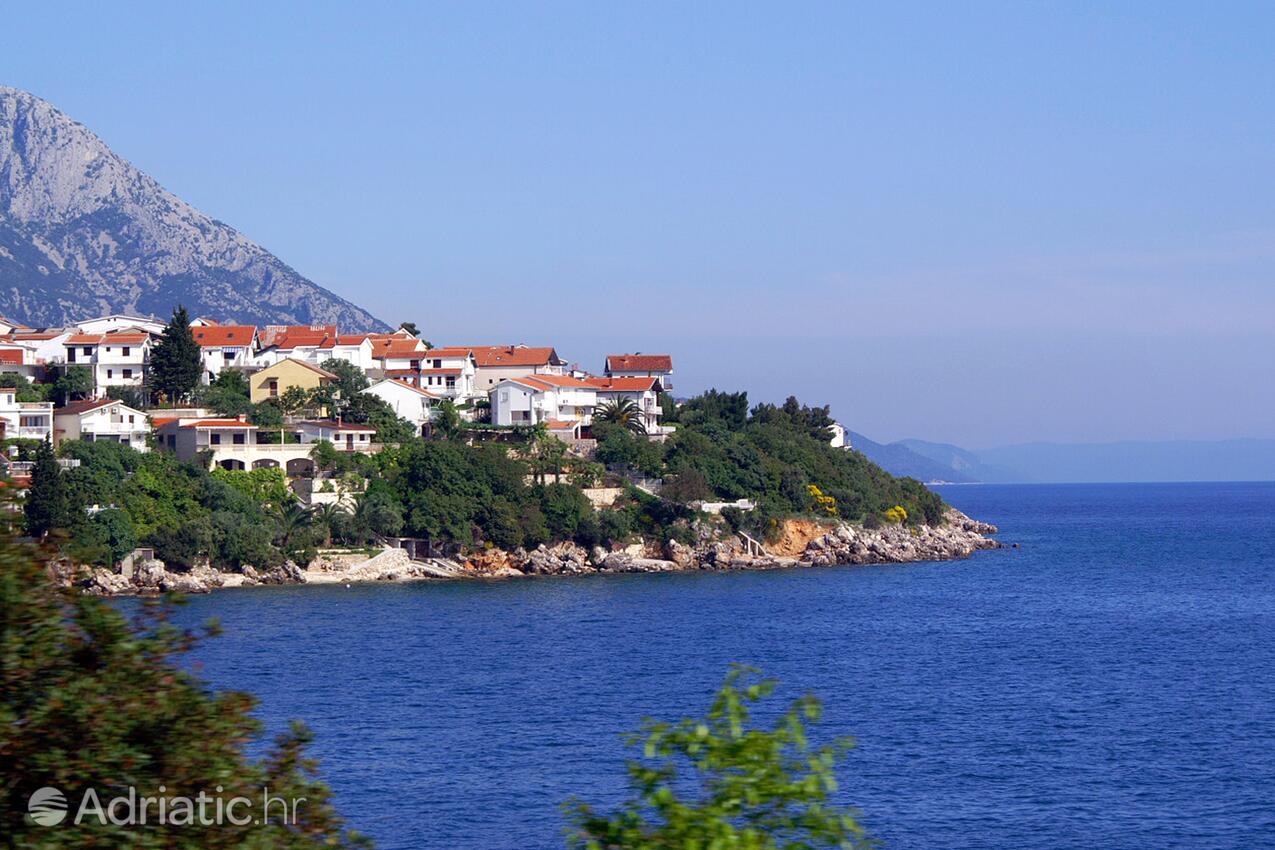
(841, 544)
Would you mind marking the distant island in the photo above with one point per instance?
(1077, 463)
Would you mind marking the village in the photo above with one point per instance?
(502, 386)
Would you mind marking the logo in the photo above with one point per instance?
(47, 807)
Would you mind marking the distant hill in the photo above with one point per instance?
(1183, 460)
(84, 233)
(1178, 460)
(899, 459)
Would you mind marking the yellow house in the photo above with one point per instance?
(274, 381)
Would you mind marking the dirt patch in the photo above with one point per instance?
(796, 536)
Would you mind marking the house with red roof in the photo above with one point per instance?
(494, 363)
(447, 372)
(641, 366)
(224, 346)
(101, 421)
(644, 392)
(117, 358)
(535, 399)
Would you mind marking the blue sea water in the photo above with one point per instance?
(1110, 684)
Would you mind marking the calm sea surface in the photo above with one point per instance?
(1111, 684)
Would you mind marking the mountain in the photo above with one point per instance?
(898, 459)
(1173, 460)
(1077, 463)
(84, 233)
(963, 462)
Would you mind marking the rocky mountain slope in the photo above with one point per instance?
(83, 232)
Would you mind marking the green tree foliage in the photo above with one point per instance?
(447, 422)
(266, 487)
(131, 396)
(350, 379)
(721, 782)
(229, 394)
(109, 536)
(621, 448)
(45, 506)
(26, 391)
(777, 454)
(175, 366)
(623, 412)
(92, 699)
(375, 412)
(463, 493)
(73, 384)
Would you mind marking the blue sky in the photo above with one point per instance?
(981, 223)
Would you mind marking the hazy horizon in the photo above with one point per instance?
(982, 225)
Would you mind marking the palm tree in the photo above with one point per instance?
(623, 412)
(290, 520)
(328, 515)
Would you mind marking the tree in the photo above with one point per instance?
(447, 420)
(752, 788)
(176, 366)
(45, 506)
(75, 383)
(623, 412)
(26, 391)
(94, 697)
(229, 394)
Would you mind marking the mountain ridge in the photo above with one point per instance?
(84, 232)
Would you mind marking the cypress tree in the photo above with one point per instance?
(175, 362)
(46, 504)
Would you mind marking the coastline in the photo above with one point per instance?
(801, 544)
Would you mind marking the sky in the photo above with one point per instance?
(979, 223)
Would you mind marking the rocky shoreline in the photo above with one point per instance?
(803, 544)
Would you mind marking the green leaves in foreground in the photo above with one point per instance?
(719, 784)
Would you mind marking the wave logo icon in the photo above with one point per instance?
(47, 807)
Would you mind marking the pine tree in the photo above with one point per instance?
(46, 504)
(175, 362)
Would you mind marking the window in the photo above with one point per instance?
(416, 364)
(128, 373)
(172, 441)
(237, 439)
(214, 439)
(130, 419)
(88, 351)
(110, 373)
(274, 388)
(438, 364)
(125, 350)
(451, 383)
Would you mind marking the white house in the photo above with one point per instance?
(643, 392)
(533, 399)
(355, 349)
(28, 420)
(102, 420)
(840, 437)
(346, 436)
(408, 402)
(446, 372)
(121, 322)
(224, 345)
(494, 363)
(641, 366)
(117, 358)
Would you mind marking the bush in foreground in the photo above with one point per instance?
(92, 700)
(751, 788)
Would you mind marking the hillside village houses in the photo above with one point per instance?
(511, 385)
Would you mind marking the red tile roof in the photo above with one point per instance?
(221, 336)
(623, 385)
(83, 406)
(545, 382)
(450, 351)
(397, 348)
(322, 372)
(116, 337)
(514, 355)
(639, 363)
(271, 334)
(12, 356)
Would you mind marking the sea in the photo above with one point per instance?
(1108, 683)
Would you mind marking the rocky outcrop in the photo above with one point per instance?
(958, 537)
(150, 577)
